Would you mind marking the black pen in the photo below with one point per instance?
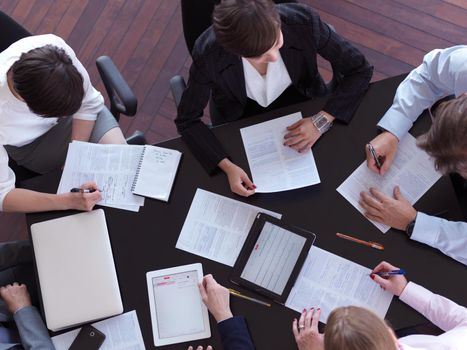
(375, 157)
(81, 190)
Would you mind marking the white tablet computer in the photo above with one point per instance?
(177, 311)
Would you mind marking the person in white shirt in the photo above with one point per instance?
(357, 328)
(442, 73)
(47, 100)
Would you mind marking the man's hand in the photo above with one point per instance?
(216, 298)
(16, 296)
(396, 212)
(84, 201)
(306, 331)
(200, 347)
(385, 145)
(303, 134)
(239, 181)
(394, 284)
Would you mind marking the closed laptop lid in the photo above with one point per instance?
(76, 269)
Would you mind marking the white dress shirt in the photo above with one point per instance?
(265, 89)
(18, 125)
(442, 312)
(442, 73)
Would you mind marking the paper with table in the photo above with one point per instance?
(120, 169)
(216, 227)
(122, 332)
(329, 281)
(412, 170)
(275, 167)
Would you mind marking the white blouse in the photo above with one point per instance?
(442, 312)
(18, 125)
(265, 89)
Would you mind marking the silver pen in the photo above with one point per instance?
(375, 157)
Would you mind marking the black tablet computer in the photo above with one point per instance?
(272, 257)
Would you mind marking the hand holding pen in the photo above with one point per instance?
(389, 277)
(85, 197)
(380, 152)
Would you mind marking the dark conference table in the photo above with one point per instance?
(145, 241)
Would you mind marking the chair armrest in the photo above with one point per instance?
(177, 86)
(122, 99)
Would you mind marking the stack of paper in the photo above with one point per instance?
(111, 167)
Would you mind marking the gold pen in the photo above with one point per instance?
(240, 295)
(360, 241)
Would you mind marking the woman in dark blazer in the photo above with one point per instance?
(259, 34)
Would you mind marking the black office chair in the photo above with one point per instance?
(196, 18)
(122, 99)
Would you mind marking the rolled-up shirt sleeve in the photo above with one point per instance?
(7, 176)
(93, 101)
(442, 73)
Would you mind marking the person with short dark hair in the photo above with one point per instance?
(256, 57)
(443, 73)
(47, 100)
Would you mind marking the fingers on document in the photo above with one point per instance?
(315, 320)
(308, 317)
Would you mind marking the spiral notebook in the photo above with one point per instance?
(156, 172)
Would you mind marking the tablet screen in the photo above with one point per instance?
(273, 258)
(179, 309)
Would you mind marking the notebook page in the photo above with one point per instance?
(156, 172)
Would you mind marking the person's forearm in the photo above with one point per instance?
(225, 165)
(82, 129)
(25, 201)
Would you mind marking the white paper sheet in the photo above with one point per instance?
(329, 281)
(275, 167)
(121, 333)
(216, 227)
(112, 167)
(412, 170)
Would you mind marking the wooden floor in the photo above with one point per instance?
(145, 40)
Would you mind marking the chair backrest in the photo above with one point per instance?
(122, 99)
(11, 31)
(196, 18)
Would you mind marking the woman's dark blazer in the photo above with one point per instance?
(219, 73)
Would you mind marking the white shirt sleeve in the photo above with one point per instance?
(7, 176)
(93, 101)
(442, 73)
(450, 237)
(441, 311)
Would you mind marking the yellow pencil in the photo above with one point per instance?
(240, 295)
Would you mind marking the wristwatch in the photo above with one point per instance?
(321, 123)
(410, 227)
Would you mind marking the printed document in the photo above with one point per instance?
(412, 170)
(111, 167)
(329, 281)
(275, 167)
(216, 227)
(122, 332)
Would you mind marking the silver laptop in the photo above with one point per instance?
(76, 270)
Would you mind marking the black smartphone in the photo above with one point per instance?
(88, 338)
